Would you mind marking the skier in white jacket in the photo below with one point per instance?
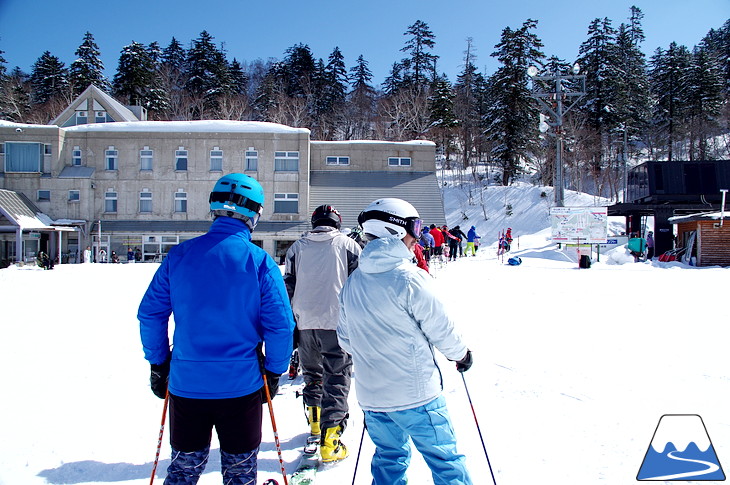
(391, 318)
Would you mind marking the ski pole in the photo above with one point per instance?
(159, 440)
(359, 449)
(273, 425)
(478, 428)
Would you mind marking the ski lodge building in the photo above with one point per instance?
(101, 175)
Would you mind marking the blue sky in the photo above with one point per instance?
(373, 28)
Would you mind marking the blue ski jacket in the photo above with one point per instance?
(472, 234)
(226, 296)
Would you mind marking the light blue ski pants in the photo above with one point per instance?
(430, 429)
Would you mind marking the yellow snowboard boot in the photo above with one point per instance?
(331, 448)
(313, 414)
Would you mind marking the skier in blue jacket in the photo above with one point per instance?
(228, 298)
(391, 318)
(471, 238)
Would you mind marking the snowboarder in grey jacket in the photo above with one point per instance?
(391, 318)
(317, 266)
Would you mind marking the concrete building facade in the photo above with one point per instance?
(125, 183)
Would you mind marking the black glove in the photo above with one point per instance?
(158, 378)
(273, 381)
(464, 364)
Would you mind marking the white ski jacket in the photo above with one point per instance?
(316, 267)
(390, 320)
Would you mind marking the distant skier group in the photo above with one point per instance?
(353, 305)
(441, 244)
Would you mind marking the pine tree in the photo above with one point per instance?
(633, 97)
(173, 63)
(239, 81)
(717, 44)
(135, 74)
(330, 94)
(157, 98)
(420, 63)
(299, 70)
(361, 102)
(467, 105)
(173, 77)
(668, 88)
(442, 114)
(513, 116)
(49, 79)
(337, 78)
(704, 99)
(394, 81)
(88, 68)
(201, 59)
(600, 61)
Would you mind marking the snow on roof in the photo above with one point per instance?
(411, 142)
(10, 124)
(196, 126)
(704, 216)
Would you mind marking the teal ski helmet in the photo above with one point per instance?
(238, 196)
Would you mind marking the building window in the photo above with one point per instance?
(49, 149)
(76, 156)
(252, 160)
(181, 159)
(181, 201)
(44, 196)
(286, 161)
(145, 201)
(399, 162)
(110, 201)
(74, 195)
(100, 117)
(338, 160)
(286, 203)
(82, 117)
(216, 160)
(110, 155)
(145, 159)
(24, 157)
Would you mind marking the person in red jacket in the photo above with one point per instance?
(420, 259)
(438, 241)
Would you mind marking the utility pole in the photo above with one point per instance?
(558, 94)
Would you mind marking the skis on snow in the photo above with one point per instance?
(308, 465)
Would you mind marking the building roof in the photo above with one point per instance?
(351, 191)
(704, 216)
(117, 110)
(76, 172)
(194, 126)
(17, 210)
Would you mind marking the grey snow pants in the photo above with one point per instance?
(326, 369)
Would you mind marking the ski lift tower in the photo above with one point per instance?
(553, 96)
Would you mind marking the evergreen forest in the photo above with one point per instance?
(671, 105)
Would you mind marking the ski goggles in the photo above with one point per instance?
(412, 225)
(236, 199)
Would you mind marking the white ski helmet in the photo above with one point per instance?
(390, 218)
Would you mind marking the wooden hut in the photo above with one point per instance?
(706, 237)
